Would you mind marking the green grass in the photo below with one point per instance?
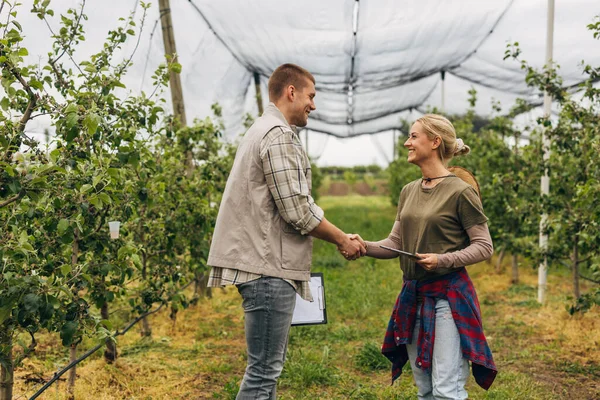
(369, 358)
(541, 352)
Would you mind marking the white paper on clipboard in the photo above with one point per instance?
(311, 313)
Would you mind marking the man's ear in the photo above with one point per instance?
(290, 92)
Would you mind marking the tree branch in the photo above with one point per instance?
(589, 279)
(142, 23)
(28, 350)
(70, 56)
(20, 195)
(32, 97)
(58, 75)
(72, 36)
(584, 260)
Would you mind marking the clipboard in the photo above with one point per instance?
(311, 313)
(404, 253)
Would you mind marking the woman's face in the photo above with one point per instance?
(420, 147)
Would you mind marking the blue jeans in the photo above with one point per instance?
(268, 307)
(449, 370)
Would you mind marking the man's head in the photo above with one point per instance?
(292, 90)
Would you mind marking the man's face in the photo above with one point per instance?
(304, 103)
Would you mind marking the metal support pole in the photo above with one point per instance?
(258, 93)
(171, 50)
(394, 145)
(306, 141)
(545, 181)
(443, 73)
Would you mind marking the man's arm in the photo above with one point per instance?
(327, 231)
(281, 156)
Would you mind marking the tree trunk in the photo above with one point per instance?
(200, 288)
(515, 269)
(110, 353)
(499, 261)
(173, 317)
(72, 372)
(146, 329)
(575, 269)
(6, 371)
(73, 347)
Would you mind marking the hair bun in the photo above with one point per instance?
(461, 148)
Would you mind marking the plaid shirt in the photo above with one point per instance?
(287, 171)
(220, 277)
(458, 289)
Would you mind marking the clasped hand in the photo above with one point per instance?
(353, 247)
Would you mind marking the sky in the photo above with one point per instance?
(206, 64)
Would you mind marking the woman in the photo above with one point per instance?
(436, 322)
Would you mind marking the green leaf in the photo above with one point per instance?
(9, 170)
(67, 332)
(72, 119)
(31, 302)
(85, 188)
(36, 84)
(72, 134)
(113, 172)
(54, 155)
(176, 67)
(91, 121)
(4, 103)
(5, 313)
(105, 198)
(124, 251)
(63, 224)
(107, 324)
(23, 51)
(65, 269)
(95, 201)
(27, 247)
(90, 68)
(96, 179)
(71, 108)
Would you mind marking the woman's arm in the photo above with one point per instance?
(480, 249)
(393, 241)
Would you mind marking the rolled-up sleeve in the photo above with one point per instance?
(284, 165)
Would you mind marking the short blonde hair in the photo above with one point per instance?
(436, 125)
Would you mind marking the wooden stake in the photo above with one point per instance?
(171, 50)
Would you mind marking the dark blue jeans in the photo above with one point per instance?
(268, 307)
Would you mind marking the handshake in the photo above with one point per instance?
(352, 247)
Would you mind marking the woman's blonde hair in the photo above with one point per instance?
(436, 125)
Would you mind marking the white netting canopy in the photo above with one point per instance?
(373, 60)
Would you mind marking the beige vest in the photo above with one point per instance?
(250, 235)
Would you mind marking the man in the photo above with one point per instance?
(262, 241)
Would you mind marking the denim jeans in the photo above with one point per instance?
(449, 370)
(268, 307)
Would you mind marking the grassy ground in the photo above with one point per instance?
(541, 351)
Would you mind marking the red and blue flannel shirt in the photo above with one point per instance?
(458, 289)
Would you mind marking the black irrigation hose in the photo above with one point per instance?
(92, 351)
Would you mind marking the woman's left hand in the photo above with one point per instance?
(428, 261)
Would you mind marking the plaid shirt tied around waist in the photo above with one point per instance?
(458, 290)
